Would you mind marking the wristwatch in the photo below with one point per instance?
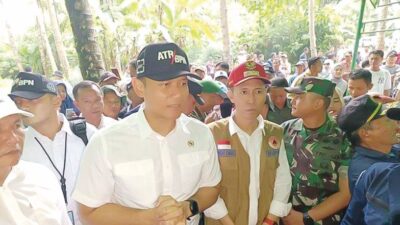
(307, 220)
(194, 207)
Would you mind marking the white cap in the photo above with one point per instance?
(8, 107)
(220, 73)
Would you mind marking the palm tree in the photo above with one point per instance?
(89, 53)
(46, 55)
(225, 31)
(62, 56)
(380, 40)
(311, 27)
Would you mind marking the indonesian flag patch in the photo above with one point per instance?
(225, 149)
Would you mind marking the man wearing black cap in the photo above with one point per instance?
(157, 166)
(49, 139)
(29, 193)
(279, 107)
(318, 156)
(314, 68)
(372, 130)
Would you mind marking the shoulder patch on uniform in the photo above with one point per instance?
(274, 142)
(272, 153)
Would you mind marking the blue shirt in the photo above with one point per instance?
(363, 159)
(376, 199)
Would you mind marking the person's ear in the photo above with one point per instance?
(138, 86)
(57, 101)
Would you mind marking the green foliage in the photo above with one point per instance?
(287, 31)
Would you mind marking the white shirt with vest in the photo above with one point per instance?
(133, 165)
(33, 152)
(31, 195)
(252, 145)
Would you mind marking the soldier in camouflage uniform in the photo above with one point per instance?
(318, 156)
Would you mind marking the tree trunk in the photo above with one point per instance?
(12, 42)
(89, 53)
(380, 40)
(62, 56)
(46, 55)
(225, 31)
(311, 27)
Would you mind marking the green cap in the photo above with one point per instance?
(319, 86)
(213, 86)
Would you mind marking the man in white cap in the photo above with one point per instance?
(29, 193)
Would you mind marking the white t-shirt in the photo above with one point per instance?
(31, 195)
(129, 164)
(381, 81)
(55, 148)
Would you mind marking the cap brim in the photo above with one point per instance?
(171, 76)
(294, 90)
(26, 94)
(198, 99)
(265, 80)
(393, 113)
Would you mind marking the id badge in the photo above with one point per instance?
(71, 217)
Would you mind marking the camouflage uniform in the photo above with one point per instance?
(316, 159)
(197, 114)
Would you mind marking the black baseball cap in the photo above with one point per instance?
(195, 89)
(279, 82)
(32, 86)
(163, 61)
(364, 109)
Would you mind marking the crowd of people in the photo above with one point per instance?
(175, 143)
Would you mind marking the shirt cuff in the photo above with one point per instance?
(279, 209)
(217, 211)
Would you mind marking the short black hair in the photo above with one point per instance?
(313, 60)
(361, 74)
(28, 69)
(82, 85)
(365, 64)
(223, 65)
(377, 52)
(354, 138)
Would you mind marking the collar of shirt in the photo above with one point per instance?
(372, 153)
(234, 128)
(273, 108)
(65, 127)
(146, 131)
(298, 126)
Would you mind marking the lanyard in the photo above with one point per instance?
(62, 179)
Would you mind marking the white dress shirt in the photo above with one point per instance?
(131, 165)
(55, 149)
(31, 195)
(252, 145)
(106, 121)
